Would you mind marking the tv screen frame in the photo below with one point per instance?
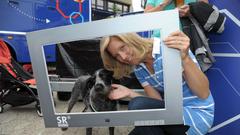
(165, 21)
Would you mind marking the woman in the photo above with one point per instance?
(125, 53)
(160, 5)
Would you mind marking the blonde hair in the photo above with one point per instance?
(134, 41)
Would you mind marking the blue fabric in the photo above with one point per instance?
(139, 103)
(198, 113)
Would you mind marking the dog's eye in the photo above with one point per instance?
(102, 75)
(105, 77)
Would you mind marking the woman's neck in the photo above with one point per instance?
(148, 57)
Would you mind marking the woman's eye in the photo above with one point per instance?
(123, 47)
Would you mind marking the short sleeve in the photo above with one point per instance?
(193, 58)
(154, 3)
(151, 2)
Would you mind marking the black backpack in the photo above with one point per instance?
(208, 16)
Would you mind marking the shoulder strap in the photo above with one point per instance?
(10, 69)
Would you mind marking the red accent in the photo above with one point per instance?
(65, 16)
(80, 7)
(9, 69)
(5, 55)
(27, 67)
(30, 81)
(5, 59)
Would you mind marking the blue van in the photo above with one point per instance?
(21, 16)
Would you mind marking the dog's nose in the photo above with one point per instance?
(99, 86)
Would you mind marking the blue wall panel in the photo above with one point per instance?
(224, 76)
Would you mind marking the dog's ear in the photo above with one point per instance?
(90, 82)
(108, 72)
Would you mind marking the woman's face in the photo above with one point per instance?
(121, 51)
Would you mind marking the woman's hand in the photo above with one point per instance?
(195, 78)
(118, 92)
(184, 11)
(180, 41)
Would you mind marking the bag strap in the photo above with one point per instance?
(11, 70)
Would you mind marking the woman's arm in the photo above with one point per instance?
(206, 1)
(195, 78)
(120, 91)
(150, 8)
(151, 92)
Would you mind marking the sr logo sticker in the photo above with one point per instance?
(62, 121)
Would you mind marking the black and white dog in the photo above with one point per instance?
(94, 91)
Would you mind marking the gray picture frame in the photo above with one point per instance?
(166, 21)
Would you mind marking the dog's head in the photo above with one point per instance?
(101, 81)
(99, 87)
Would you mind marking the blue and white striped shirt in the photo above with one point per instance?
(197, 113)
